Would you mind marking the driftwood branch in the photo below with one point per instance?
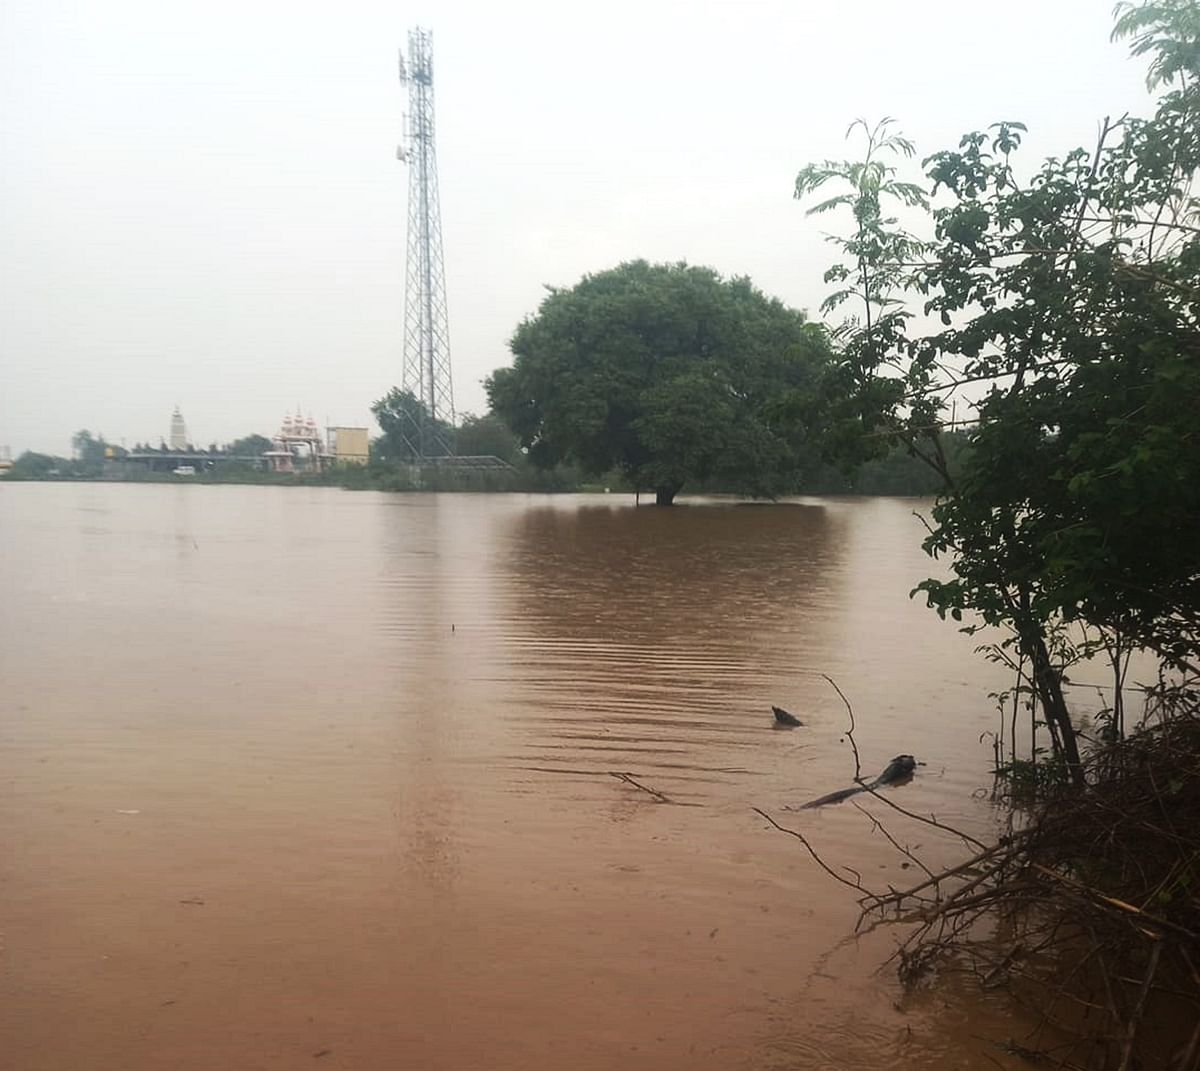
(1090, 906)
(1112, 901)
(879, 827)
(927, 819)
(629, 780)
(856, 885)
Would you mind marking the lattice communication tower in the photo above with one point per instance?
(426, 371)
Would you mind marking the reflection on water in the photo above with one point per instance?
(294, 773)
(651, 639)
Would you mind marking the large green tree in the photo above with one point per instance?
(1069, 304)
(664, 372)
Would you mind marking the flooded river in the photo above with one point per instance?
(299, 778)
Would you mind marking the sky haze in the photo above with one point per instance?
(200, 203)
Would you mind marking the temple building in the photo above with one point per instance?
(298, 446)
(178, 439)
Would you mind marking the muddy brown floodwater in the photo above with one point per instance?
(303, 778)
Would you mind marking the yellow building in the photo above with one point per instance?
(349, 446)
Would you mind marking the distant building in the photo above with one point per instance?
(349, 446)
(297, 447)
(178, 439)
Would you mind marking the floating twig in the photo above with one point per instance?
(629, 780)
(850, 731)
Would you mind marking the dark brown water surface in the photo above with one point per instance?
(295, 778)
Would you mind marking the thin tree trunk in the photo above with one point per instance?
(1049, 688)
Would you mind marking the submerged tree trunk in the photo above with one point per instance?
(664, 496)
(1048, 684)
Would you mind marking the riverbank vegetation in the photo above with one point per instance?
(1065, 299)
(389, 469)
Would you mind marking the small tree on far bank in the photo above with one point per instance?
(254, 445)
(409, 434)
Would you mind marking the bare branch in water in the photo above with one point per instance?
(926, 819)
(876, 824)
(850, 731)
(855, 885)
(629, 780)
(1088, 910)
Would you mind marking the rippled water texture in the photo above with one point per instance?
(300, 778)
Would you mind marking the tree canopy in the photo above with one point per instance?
(665, 372)
(92, 450)
(1070, 300)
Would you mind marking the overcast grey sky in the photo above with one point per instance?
(200, 201)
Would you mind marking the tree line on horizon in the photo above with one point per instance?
(90, 451)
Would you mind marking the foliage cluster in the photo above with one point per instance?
(410, 433)
(89, 455)
(1068, 306)
(665, 373)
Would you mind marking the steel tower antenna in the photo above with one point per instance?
(426, 371)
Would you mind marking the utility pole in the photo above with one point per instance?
(426, 371)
